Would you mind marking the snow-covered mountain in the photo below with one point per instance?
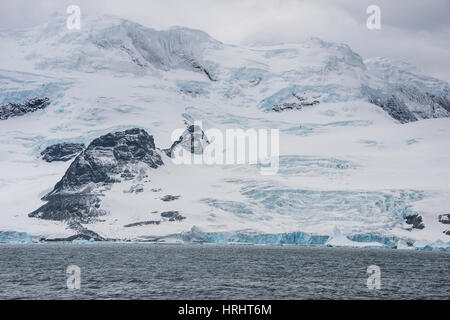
(87, 116)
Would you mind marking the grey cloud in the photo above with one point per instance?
(412, 30)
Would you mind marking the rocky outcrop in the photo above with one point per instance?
(62, 152)
(395, 107)
(298, 103)
(168, 216)
(416, 221)
(172, 216)
(193, 140)
(108, 159)
(83, 208)
(142, 223)
(169, 198)
(13, 109)
(201, 68)
(137, 188)
(444, 218)
(408, 103)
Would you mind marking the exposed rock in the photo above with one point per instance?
(127, 175)
(402, 103)
(192, 93)
(201, 68)
(169, 198)
(193, 140)
(138, 188)
(82, 231)
(143, 223)
(62, 152)
(173, 216)
(13, 109)
(442, 101)
(82, 234)
(395, 107)
(109, 157)
(78, 207)
(415, 220)
(170, 215)
(76, 197)
(298, 103)
(74, 238)
(444, 218)
(127, 155)
(447, 232)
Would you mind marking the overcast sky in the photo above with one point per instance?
(417, 31)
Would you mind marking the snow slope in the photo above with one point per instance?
(359, 159)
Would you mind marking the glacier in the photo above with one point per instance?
(364, 143)
(336, 239)
(13, 237)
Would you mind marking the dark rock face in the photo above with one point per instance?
(76, 207)
(172, 216)
(12, 109)
(447, 232)
(77, 196)
(82, 234)
(169, 198)
(138, 188)
(416, 221)
(301, 102)
(408, 103)
(112, 158)
(109, 157)
(193, 140)
(201, 68)
(143, 223)
(75, 237)
(396, 108)
(441, 101)
(444, 218)
(62, 152)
